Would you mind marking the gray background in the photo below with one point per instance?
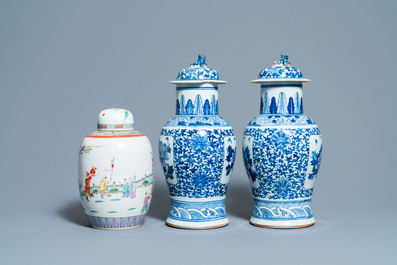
(62, 62)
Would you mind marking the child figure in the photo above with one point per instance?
(132, 187)
(126, 191)
(103, 188)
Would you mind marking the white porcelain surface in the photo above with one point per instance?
(116, 173)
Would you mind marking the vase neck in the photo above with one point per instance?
(281, 99)
(197, 99)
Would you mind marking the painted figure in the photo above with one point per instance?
(146, 203)
(126, 191)
(88, 183)
(132, 187)
(87, 186)
(92, 171)
(103, 189)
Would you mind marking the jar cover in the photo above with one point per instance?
(198, 71)
(115, 119)
(281, 70)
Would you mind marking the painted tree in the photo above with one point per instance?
(207, 107)
(297, 101)
(282, 103)
(291, 106)
(213, 105)
(198, 102)
(189, 107)
(266, 103)
(178, 107)
(182, 108)
(273, 106)
(261, 106)
(301, 106)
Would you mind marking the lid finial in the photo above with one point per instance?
(283, 61)
(200, 61)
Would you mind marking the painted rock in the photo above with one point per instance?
(115, 172)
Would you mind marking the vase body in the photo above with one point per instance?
(197, 154)
(282, 153)
(197, 150)
(115, 175)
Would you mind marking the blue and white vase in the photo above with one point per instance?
(282, 151)
(197, 149)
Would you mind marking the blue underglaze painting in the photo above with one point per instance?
(274, 120)
(284, 161)
(281, 211)
(196, 106)
(197, 121)
(281, 104)
(198, 161)
(197, 150)
(197, 211)
(281, 69)
(198, 71)
(282, 150)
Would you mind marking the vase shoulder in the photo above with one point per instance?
(269, 120)
(197, 121)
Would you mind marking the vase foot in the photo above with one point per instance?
(204, 214)
(282, 224)
(197, 225)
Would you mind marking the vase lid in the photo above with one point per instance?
(115, 119)
(280, 71)
(198, 72)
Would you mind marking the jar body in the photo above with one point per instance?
(116, 178)
(282, 154)
(197, 155)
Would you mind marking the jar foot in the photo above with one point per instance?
(116, 223)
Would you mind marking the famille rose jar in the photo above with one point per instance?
(197, 149)
(282, 151)
(116, 172)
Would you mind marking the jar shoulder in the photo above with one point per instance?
(111, 133)
(109, 138)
